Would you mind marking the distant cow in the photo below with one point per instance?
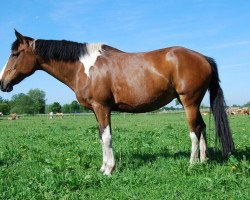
(59, 115)
(13, 116)
(51, 115)
(1, 114)
(244, 111)
(235, 111)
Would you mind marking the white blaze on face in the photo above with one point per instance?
(1, 75)
(89, 59)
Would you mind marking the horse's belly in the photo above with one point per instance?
(143, 101)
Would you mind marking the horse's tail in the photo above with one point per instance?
(218, 105)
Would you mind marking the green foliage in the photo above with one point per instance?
(74, 107)
(38, 97)
(82, 109)
(4, 107)
(55, 107)
(247, 104)
(177, 102)
(31, 103)
(60, 159)
(66, 108)
(22, 103)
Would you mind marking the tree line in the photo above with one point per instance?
(34, 102)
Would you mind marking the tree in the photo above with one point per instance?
(234, 105)
(38, 97)
(177, 102)
(47, 109)
(203, 106)
(22, 103)
(247, 104)
(66, 108)
(55, 107)
(82, 109)
(74, 107)
(4, 106)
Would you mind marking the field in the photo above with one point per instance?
(60, 159)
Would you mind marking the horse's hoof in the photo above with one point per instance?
(102, 169)
(109, 170)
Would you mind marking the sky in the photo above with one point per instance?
(216, 28)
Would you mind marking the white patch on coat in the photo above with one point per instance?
(170, 57)
(1, 74)
(33, 44)
(108, 156)
(89, 59)
(195, 147)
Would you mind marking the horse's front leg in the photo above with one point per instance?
(103, 118)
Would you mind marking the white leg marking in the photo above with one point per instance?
(88, 60)
(1, 74)
(195, 147)
(108, 152)
(104, 160)
(203, 145)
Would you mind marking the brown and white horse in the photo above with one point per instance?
(106, 79)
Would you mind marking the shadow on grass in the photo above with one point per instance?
(216, 156)
(213, 155)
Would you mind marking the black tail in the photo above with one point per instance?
(218, 105)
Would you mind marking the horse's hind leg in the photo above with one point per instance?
(203, 145)
(197, 132)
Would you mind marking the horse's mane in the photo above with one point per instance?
(62, 50)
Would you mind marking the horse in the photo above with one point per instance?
(106, 79)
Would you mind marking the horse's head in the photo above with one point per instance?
(21, 63)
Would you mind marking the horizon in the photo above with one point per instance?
(214, 28)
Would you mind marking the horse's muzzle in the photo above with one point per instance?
(5, 87)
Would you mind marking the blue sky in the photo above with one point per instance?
(219, 29)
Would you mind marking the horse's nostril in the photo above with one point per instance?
(1, 85)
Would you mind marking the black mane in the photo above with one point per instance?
(59, 50)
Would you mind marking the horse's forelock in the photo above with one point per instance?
(16, 43)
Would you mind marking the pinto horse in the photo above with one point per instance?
(106, 79)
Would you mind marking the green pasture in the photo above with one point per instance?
(60, 159)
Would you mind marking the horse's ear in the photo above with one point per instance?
(19, 36)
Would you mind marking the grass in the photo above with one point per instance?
(60, 159)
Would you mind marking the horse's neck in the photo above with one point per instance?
(64, 72)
